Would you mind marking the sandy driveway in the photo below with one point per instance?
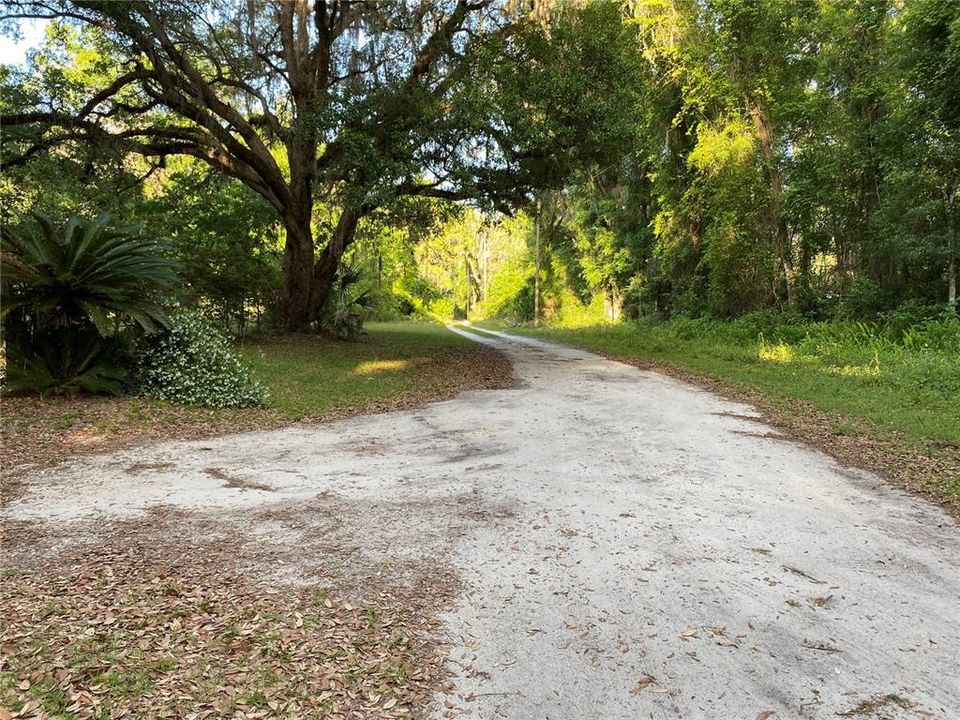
(630, 547)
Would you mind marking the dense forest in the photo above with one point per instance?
(556, 161)
(799, 156)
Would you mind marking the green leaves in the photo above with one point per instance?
(85, 273)
(68, 296)
(566, 95)
(728, 145)
(932, 55)
(66, 362)
(194, 364)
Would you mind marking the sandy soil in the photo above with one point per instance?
(627, 546)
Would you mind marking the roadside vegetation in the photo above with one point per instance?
(398, 363)
(221, 221)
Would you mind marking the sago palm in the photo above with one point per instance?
(85, 271)
(69, 294)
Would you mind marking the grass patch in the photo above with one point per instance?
(890, 405)
(309, 376)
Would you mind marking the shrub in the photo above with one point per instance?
(909, 315)
(71, 298)
(776, 324)
(194, 364)
(865, 299)
(342, 315)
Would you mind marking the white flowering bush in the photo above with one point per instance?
(194, 364)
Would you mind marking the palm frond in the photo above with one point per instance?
(87, 271)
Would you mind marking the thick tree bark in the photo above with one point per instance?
(297, 306)
(308, 283)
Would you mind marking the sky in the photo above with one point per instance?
(14, 52)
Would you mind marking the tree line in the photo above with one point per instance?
(668, 157)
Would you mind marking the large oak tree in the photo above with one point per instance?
(349, 103)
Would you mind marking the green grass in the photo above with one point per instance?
(310, 376)
(307, 376)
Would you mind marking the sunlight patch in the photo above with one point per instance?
(779, 353)
(856, 370)
(375, 367)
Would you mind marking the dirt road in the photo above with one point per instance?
(629, 546)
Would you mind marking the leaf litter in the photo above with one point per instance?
(183, 614)
(39, 432)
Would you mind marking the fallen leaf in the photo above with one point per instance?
(644, 682)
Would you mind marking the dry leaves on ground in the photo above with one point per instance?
(132, 628)
(299, 609)
(38, 432)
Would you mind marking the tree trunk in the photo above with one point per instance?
(299, 310)
(536, 277)
(297, 306)
(307, 283)
(803, 273)
(950, 198)
(952, 284)
(613, 302)
(785, 250)
(775, 182)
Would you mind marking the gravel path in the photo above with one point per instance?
(630, 546)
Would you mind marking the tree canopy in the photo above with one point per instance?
(352, 104)
(678, 158)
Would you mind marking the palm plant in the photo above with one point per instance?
(66, 363)
(342, 315)
(66, 291)
(84, 272)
